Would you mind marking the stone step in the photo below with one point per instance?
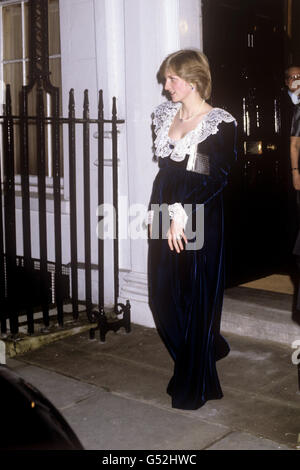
(260, 314)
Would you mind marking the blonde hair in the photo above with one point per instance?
(190, 65)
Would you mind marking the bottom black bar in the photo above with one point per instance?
(137, 458)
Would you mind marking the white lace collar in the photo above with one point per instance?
(177, 149)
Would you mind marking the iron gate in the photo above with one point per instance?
(28, 284)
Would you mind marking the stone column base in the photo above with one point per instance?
(134, 287)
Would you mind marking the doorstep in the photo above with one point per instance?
(260, 314)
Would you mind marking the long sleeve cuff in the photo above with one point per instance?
(177, 213)
(150, 215)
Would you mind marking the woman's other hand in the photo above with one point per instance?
(296, 180)
(175, 236)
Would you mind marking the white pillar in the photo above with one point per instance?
(152, 30)
(190, 24)
(93, 58)
(118, 45)
(110, 63)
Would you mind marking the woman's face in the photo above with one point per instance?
(177, 88)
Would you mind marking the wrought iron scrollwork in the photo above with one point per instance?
(39, 49)
(104, 325)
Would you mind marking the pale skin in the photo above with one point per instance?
(192, 107)
(293, 83)
(295, 153)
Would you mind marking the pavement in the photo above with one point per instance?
(113, 394)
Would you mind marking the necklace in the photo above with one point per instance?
(192, 116)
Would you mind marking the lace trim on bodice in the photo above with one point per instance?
(177, 149)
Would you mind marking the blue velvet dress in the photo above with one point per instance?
(186, 289)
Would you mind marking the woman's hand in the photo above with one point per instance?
(296, 180)
(295, 154)
(175, 236)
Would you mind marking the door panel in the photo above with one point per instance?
(244, 42)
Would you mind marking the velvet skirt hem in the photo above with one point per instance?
(179, 406)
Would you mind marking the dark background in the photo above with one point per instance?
(248, 46)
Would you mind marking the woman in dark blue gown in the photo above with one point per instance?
(195, 147)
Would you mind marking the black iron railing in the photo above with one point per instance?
(23, 287)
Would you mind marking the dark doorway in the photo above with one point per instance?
(246, 46)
